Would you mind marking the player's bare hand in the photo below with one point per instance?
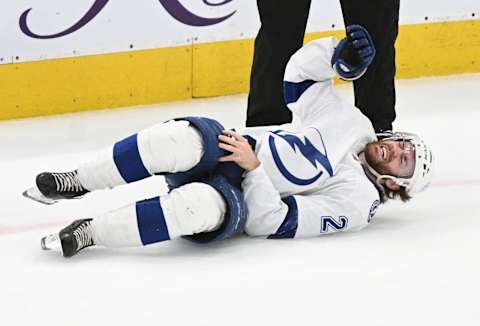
(242, 153)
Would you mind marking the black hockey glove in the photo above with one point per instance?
(353, 54)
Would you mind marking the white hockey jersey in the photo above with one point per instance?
(310, 181)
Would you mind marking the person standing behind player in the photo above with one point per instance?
(281, 33)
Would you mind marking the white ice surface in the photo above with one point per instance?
(417, 264)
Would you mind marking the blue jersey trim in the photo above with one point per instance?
(293, 91)
(288, 229)
(151, 221)
(128, 161)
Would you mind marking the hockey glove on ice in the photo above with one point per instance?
(353, 54)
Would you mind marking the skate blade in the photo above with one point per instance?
(35, 194)
(51, 242)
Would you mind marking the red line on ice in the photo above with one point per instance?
(9, 230)
(456, 183)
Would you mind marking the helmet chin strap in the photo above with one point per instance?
(397, 181)
(379, 177)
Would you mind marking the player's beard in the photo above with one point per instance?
(372, 157)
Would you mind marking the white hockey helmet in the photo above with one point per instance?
(424, 163)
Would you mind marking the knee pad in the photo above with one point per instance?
(160, 151)
(235, 216)
(193, 208)
(209, 130)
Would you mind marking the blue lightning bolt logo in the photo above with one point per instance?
(307, 149)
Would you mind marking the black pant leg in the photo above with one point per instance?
(375, 91)
(281, 34)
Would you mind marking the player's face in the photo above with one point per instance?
(391, 157)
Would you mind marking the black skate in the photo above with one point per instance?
(71, 239)
(52, 187)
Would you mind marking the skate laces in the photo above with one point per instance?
(83, 235)
(67, 181)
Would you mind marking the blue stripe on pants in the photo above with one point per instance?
(151, 221)
(128, 161)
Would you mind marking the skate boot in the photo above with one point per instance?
(71, 239)
(52, 187)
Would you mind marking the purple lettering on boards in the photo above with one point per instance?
(183, 15)
(91, 13)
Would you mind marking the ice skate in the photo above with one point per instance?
(71, 239)
(52, 187)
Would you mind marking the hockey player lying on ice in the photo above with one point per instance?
(326, 172)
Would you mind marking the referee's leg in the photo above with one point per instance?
(281, 34)
(375, 91)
